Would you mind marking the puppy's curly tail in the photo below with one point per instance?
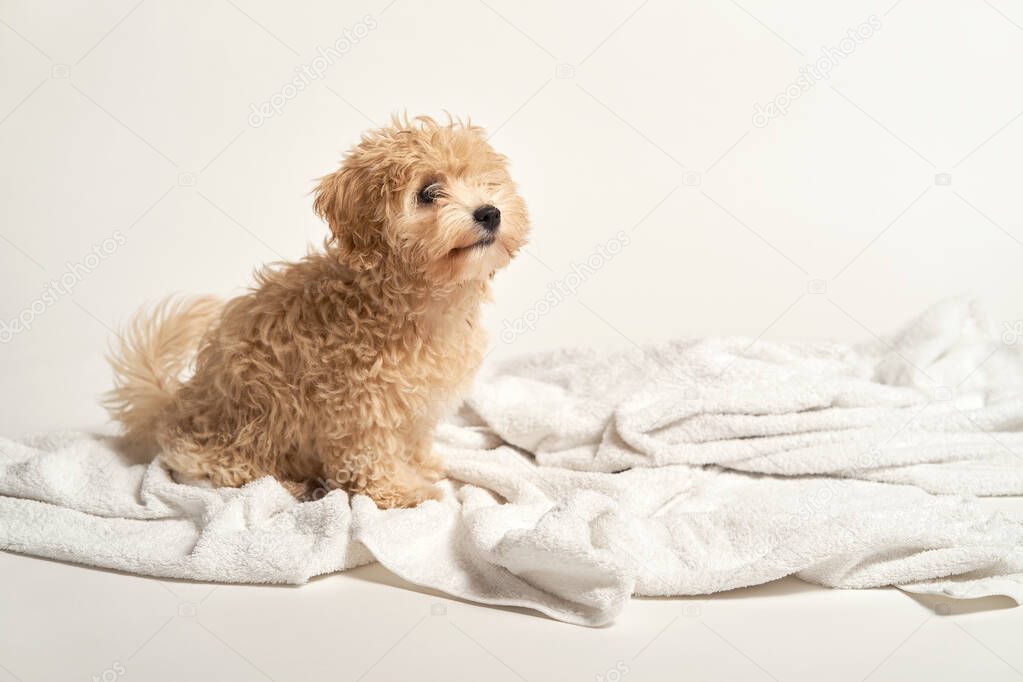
(154, 349)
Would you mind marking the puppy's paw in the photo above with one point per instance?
(433, 472)
(394, 497)
(299, 490)
(430, 466)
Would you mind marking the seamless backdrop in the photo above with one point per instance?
(772, 169)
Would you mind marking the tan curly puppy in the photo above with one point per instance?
(336, 368)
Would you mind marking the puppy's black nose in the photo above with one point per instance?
(489, 217)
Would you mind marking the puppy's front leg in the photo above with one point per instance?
(374, 464)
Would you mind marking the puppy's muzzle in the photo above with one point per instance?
(488, 217)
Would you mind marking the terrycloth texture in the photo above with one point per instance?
(939, 405)
(561, 535)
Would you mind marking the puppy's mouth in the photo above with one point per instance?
(482, 243)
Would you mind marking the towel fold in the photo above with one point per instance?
(938, 405)
(577, 479)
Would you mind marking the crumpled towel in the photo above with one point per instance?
(575, 541)
(938, 405)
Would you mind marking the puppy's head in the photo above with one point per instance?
(431, 199)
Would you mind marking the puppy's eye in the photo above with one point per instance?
(430, 193)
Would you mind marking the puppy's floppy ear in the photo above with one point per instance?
(346, 200)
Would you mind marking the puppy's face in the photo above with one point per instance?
(433, 199)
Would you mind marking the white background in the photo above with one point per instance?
(133, 119)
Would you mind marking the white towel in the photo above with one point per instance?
(560, 534)
(939, 406)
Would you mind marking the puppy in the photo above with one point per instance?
(336, 368)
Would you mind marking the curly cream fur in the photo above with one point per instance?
(336, 368)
